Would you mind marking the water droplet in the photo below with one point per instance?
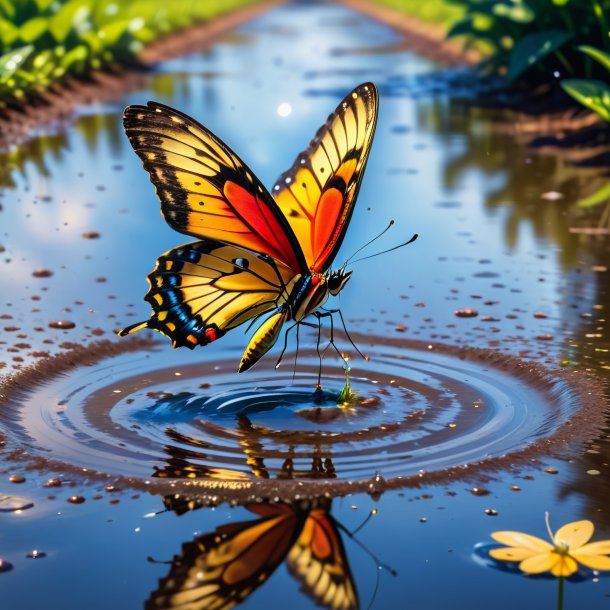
(36, 554)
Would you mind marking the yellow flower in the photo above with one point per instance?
(568, 548)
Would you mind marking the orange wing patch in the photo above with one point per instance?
(204, 187)
(317, 194)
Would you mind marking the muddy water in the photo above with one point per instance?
(79, 231)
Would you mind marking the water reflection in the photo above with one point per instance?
(221, 569)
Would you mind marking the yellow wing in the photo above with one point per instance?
(317, 194)
(205, 189)
(220, 570)
(203, 289)
(319, 562)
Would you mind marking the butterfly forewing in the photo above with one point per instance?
(219, 570)
(317, 194)
(204, 187)
(201, 290)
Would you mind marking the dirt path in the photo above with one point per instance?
(427, 39)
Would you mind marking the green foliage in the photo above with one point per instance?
(537, 40)
(592, 93)
(46, 41)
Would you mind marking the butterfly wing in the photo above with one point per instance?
(318, 561)
(201, 290)
(220, 570)
(317, 194)
(205, 189)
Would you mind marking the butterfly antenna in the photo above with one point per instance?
(368, 243)
(406, 243)
(352, 536)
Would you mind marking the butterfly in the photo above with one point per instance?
(258, 253)
(221, 569)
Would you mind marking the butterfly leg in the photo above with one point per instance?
(328, 314)
(332, 311)
(279, 360)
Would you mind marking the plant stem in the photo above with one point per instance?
(564, 60)
(560, 594)
(603, 23)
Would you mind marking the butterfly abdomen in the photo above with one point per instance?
(263, 339)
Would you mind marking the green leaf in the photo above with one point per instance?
(74, 60)
(519, 13)
(9, 32)
(594, 94)
(10, 62)
(600, 56)
(112, 32)
(33, 29)
(7, 8)
(463, 27)
(600, 196)
(532, 48)
(73, 16)
(43, 5)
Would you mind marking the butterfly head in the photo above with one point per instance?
(336, 280)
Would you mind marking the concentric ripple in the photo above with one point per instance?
(421, 411)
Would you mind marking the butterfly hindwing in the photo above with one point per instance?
(318, 561)
(317, 194)
(204, 187)
(201, 290)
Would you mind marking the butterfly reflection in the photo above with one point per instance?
(195, 463)
(219, 570)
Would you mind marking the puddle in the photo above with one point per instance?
(423, 413)
(508, 282)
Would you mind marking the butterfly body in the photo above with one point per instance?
(259, 254)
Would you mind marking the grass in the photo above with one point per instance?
(45, 42)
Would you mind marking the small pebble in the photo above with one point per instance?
(10, 504)
(551, 470)
(491, 512)
(593, 472)
(42, 273)
(15, 478)
(5, 566)
(466, 312)
(76, 499)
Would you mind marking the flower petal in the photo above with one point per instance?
(601, 547)
(542, 562)
(595, 562)
(574, 534)
(565, 566)
(521, 540)
(509, 553)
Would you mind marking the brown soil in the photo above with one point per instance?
(57, 106)
(563, 442)
(427, 39)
